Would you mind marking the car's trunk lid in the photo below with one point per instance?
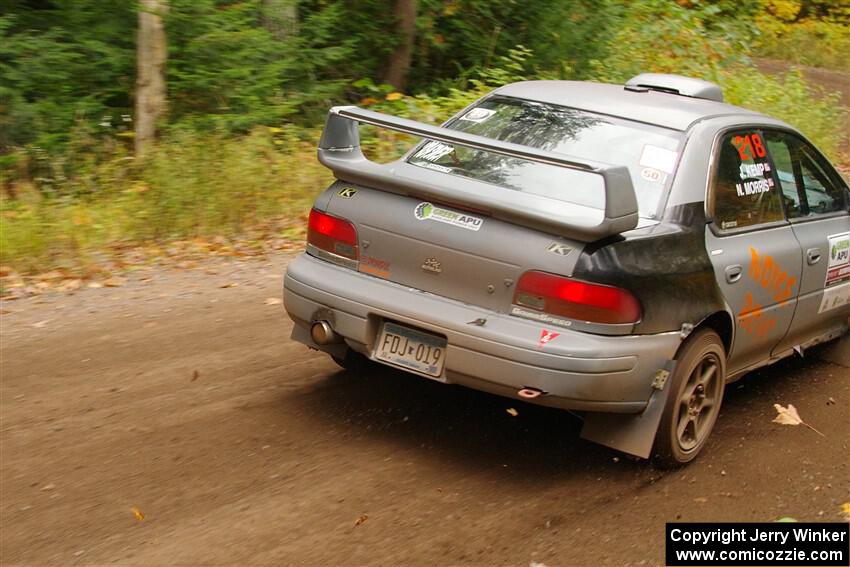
(447, 250)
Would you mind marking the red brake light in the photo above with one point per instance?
(332, 234)
(575, 299)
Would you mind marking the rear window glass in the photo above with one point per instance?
(651, 153)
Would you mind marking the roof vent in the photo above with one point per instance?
(675, 84)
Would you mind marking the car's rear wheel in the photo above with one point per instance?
(694, 400)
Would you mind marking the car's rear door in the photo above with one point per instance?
(755, 255)
(816, 202)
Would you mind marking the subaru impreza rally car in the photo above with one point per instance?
(622, 251)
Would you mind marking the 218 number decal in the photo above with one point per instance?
(749, 146)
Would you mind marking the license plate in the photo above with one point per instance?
(411, 349)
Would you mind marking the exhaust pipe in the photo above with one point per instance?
(530, 393)
(323, 334)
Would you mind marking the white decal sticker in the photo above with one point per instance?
(659, 158)
(835, 297)
(754, 187)
(653, 175)
(838, 268)
(749, 170)
(478, 115)
(427, 211)
(432, 151)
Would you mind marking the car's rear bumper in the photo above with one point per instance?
(578, 370)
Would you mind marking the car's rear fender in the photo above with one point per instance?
(665, 266)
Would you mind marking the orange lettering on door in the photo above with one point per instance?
(767, 272)
(753, 319)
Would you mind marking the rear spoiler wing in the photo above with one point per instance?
(339, 150)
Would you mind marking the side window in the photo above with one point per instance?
(810, 187)
(742, 186)
(780, 153)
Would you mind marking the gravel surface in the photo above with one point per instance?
(171, 421)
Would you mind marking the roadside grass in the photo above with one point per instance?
(190, 186)
(819, 115)
(811, 42)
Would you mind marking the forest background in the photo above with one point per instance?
(135, 131)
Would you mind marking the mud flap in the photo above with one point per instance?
(630, 433)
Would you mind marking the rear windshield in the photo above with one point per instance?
(651, 153)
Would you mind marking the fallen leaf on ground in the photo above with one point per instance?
(361, 519)
(273, 301)
(114, 282)
(231, 284)
(846, 509)
(786, 519)
(138, 513)
(789, 416)
(512, 412)
(701, 499)
(195, 375)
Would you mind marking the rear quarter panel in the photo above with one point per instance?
(666, 267)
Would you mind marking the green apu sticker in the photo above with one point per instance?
(347, 192)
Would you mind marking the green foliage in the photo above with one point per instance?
(192, 186)
(229, 70)
(69, 63)
(806, 32)
(698, 42)
(818, 115)
(811, 42)
(458, 38)
(658, 36)
(249, 82)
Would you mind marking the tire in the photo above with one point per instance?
(694, 402)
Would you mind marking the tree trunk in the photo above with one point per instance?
(399, 63)
(280, 17)
(151, 52)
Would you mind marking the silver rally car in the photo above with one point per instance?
(623, 251)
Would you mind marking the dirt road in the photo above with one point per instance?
(186, 400)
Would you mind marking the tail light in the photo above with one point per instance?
(332, 238)
(575, 299)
